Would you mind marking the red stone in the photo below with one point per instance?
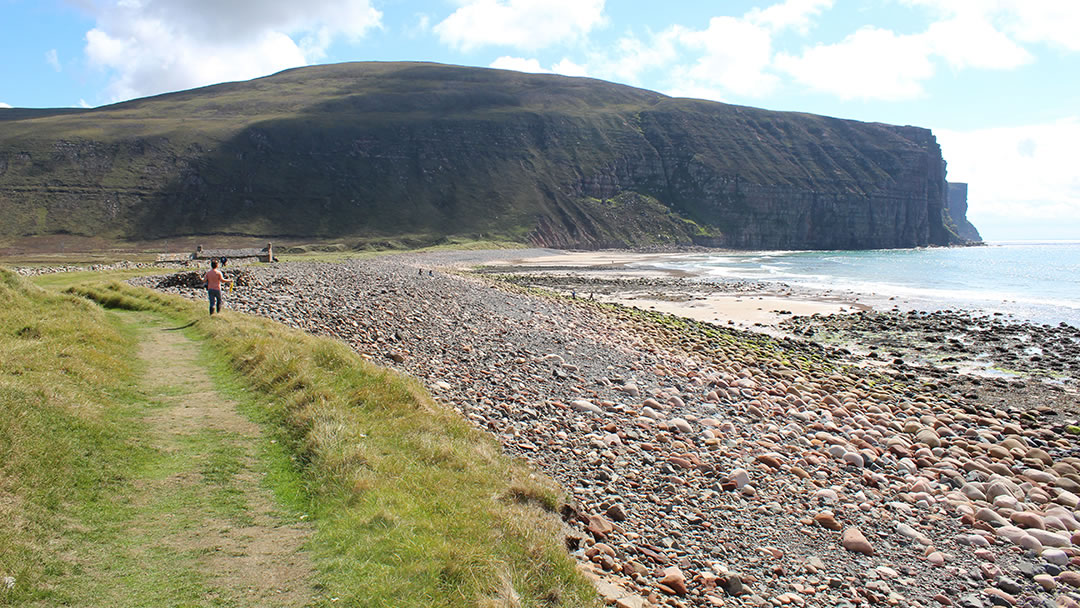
(599, 526)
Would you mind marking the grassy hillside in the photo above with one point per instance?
(382, 149)
(411, 505)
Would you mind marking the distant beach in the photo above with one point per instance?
(1025, 281)
(661, 282)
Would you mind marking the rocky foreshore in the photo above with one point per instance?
(715, 467)
(33, 271)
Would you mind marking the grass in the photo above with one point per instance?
(466, 244)
(66, 442)
(377, 151)
(335, 251)
(108, 251)
(111, 152)
(75, 449)
(412, 506)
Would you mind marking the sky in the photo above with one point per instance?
(998, 81)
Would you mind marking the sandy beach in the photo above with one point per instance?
(608, 276)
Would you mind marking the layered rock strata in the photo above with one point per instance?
(380, 150)
(958, 205)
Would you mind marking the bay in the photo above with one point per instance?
(1037, 281)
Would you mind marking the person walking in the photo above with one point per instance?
(214, 279)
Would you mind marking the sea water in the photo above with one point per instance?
(1027, 280)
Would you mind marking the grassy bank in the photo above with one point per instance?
(411, 505)
(85, 251)
(66, 398)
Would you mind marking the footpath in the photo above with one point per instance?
(203, 530)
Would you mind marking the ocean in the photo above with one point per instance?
(1026, 280)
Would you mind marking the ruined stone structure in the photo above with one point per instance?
(266, 254)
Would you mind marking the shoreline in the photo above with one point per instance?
(607, 276)
(785, 311)
(754, 305)
(904, 297)
(713, 466)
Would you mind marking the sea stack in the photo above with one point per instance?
(957, 198)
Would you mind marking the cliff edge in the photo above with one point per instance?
(429, 150)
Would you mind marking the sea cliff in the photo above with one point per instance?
(372, 150)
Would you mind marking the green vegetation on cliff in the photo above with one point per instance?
(382, 149)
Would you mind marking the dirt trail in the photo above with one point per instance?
(208, 502)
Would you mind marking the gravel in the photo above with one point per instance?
(709, 466)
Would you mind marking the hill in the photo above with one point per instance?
(390, 149)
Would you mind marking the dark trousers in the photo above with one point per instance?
(215, 296)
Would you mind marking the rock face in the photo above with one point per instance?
(957, 202)
(382, 149)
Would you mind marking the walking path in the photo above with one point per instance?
(201, 504)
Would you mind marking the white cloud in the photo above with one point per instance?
(1017, 173)
(153, 46)
(1053, 22)
(4, 105)
(569, 68)
(53, 59)
(730, 56)
(734, 56)
(518, 64)
(872, 63)
(966, 42)
(793, 14)
(875, 63)
(631, 57)
(697, 91)
(521, 64)
(421, 28)
(523, 24)
(737, 55)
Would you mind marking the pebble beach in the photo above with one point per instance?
(840, 456)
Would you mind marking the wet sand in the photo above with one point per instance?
(610, 276)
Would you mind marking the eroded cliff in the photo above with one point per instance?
(958, 205)
(433, 150)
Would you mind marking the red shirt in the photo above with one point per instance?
(213, 279)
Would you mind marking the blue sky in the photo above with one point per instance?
(997, 80)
